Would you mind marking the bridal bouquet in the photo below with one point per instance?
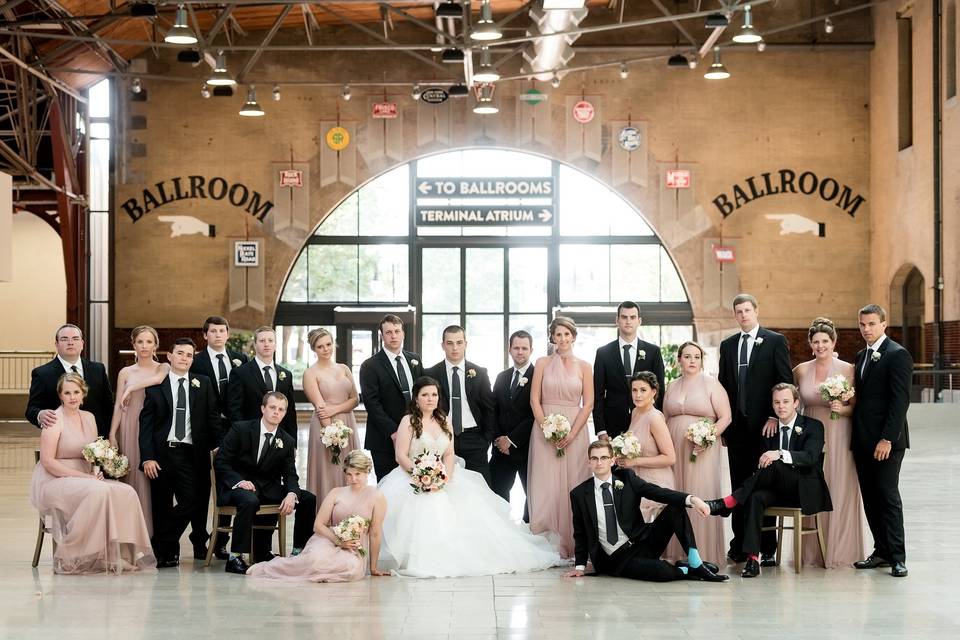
(702, 434)
(835, 388)
(626, 445)
(101, 455)
(352, 528)
(428, 474)
(335, 436)
(555, 428)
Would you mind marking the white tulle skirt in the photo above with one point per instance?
(462, 530)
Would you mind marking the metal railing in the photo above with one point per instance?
(935, 385)
(15, 368)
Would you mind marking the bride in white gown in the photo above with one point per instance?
(463, 529)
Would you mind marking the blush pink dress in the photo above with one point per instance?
(322, 474)
(97, 525)
(551, 478)
(128, 442)
(321, 560)
(660, 476)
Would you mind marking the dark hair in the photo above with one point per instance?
(183, 341)
(874, 309)
(416, 416)
(276, 395)
(215, 320)
(628, 304)
(453, 328)
(822, 325)
(390, 319)
(744, 297)
(522, 334)
(783, 386)
(649, 377)
(600, 444)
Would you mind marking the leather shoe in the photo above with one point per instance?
(703, 574)
(898, 570)
(768, 560)
(236, 565)
(872, 562)
(266, 557)
(221, 553)
(199, 553)
(168, 562)
(709, 565)
(718, 508)
(751, 570)
(736, 558)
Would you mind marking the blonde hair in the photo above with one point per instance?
(562, 321)
(263, 329)
(315, 335)
(358, 460)
(145, 329)
(76, 379)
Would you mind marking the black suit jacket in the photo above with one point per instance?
(626, 501)
(613, 401)
(514, 416)
(245, 392)
(205, 367)
(769, 365)
(43, 392)
(477, 391)
(806, 452)
(156, 419)
(274, 476)
(382, 397)
(883, 396)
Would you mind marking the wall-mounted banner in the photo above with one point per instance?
(291, 178)
(384, 110)
(789, 181)
(724, 253)
(246, 253)
(197, 187)
(678, 179)
(338, 138)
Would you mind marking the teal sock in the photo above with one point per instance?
(693, 558)
(683, 570)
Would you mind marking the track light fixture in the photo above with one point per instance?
(747, 34)
(624, 71)
(416, 92)
(692, 62)
(449, 10)
(452, 56)
(251, 107)
(459, 90)
(555, 82)
(136, 85)
(276, 93)
(715, 20)
(761, 46)
(180, 33)
(716, 71)
(142, 10)
(828, 25)
(677, 60)
(205, 91)
(345, 93)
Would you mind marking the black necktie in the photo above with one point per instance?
(180, 426)
(222, 366)
(402, 376)
(784, 437)
(742, 375)
(610, 516)
(867, 361)
(516, 382)
(626, 360)
(73, 368)
(455, 412)
(266, 446)
(267, 380)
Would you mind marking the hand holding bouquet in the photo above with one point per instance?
(428, 474)
(352, 528)
(626, 445)
(102, 456)
(555, 428)
(836, 388)
(336, 436)
(703, 434)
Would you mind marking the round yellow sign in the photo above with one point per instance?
(338, 138)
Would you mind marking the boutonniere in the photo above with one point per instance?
(282, 375)
(798, 429)
(236, 362)
(195, 383)
(759, 341)
(415, 362)
(523, 381)
(278, 443)
(642, 354)
(471, 373)
(618, 484)
(875, 356)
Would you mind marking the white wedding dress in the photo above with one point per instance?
(462, 530)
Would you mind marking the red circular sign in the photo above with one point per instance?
(583, 112)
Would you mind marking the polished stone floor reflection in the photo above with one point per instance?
(193, 602)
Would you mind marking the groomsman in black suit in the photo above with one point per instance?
(216, 362)
(514, 419)
(256, 465)
(609, 530)
(752, 361)
(790, 474)
(880, 438)
(467, 399)
(43, 400)
(179, 427)
(252, 379)
(385, 382)
(615, 364)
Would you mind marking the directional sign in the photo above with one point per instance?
(479, 216)
(485, 188)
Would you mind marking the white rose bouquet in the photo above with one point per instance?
(108, 459)
(702, 434)
(429, 474)
(626, 445)
(555, 428)
(352, 528)
(835, 388)
(336, 436)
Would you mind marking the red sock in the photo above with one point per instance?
(730, 502)
(753, 556)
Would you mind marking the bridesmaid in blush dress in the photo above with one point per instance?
(325, 557)
(657, 455)
(558, 387)
(125, 426)
(689, 398)
(329, 387)
(97, 524)
(844, 528)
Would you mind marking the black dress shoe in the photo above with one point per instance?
(199, 553)
(718, 508)
(898, 570)
(736, 558)
(265, 557)
(709, 565)
(751, 570)
(768, 560)
(236, 565)
(703, 574)
(221, 553)
(168, 562)
(872, 562)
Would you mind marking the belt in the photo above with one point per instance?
(173, 444)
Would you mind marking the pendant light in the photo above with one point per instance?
(180, 33)
(251, 107)
(747, 34)
(486, 71)
(220, 76)
(716, 71)
(486, 28)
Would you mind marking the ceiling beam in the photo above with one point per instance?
(252, 60)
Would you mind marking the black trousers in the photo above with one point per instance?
(473, 447)
(744, 455)
(247, 504)
(180, 477)
(777, 484)
(383, 463)
(641, 559)
(503, 473)
(880, 488)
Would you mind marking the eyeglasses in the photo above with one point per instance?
(600, 459)
(69, 339)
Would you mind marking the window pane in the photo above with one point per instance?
(99, 180)
(590, 338)
(294, 352)
(361, 341)
(528, 279)
(99, 100)
(584, 273)
(590, 208)
(384, 204)
(100, 130)
(676, 334)
(535, 325)
(342, 221)
(635, 272)
(486, 344)
(440, 280)
(99, 225)
(333, 273)
(484, 280)
(671, 287)
(431, 335)
(383, 273)
(295, 290)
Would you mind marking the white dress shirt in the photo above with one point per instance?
(392, 357)
(785, 455)
(174, 381)
(467, 421)
(751, 342)
(876, 348)
(226, 361)
(273, 370)
(66, 365)
(634, 350)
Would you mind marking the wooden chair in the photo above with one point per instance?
(265, 510)
(43, 526)
(799, 530)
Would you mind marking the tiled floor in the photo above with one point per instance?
(198, 603)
